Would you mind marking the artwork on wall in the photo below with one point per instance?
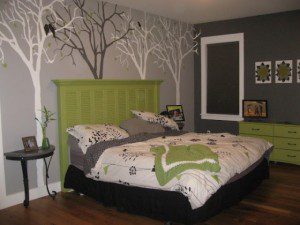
(140, 42)
(167, 41)
(298, 70)
(263, 72)
(179, 40)
(284, 71)
(97, 26)
(20, 29)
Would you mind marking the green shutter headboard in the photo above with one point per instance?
(100, 101)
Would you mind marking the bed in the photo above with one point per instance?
(92, 102)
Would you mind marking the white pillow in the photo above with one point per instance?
(95, 133)
(155, 118)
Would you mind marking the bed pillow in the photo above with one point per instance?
(155, 118)
(88, 135)
(136, 126)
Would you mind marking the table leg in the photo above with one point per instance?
(54, 193)
(25, 180)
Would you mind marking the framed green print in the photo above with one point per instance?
(263, 72)
(284, 71)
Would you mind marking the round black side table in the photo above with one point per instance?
(23, 156)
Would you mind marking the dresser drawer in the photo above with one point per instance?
(267, 138)
(256, 129)
(287, 156)
(287, 143)
(287, 131)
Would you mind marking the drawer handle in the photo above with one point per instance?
(292, 132)
(291, 156)
(256, 129)
(292, 144)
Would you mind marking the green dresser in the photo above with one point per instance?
(285, 138)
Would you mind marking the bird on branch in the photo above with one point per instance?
(49, 27)
(140, 26)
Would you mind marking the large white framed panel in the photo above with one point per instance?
(238, 37)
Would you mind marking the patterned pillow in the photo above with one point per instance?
(155, 118)
(88, 135)
(136, 126)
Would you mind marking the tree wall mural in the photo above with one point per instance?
(90, 38)
(140, 43)
(178, 42)
(22, 29)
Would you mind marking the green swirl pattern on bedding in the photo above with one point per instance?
(185, 155)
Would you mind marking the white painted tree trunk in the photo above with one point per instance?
(28, 42)
(38, 114)
(177, 93)
(2, 174)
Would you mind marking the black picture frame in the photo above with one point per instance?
(30, 143)
(254, 110)
(176, 112)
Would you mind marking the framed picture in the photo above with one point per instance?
(255, 109)
(263, 72)
(284, 71)
(176, 112)
(29, 143)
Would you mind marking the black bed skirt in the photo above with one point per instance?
(164, 205)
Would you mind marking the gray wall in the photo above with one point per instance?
(266, 38)
(16, 98)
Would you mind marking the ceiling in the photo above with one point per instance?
(200, 11)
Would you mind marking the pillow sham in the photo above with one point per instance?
(136, 126)
(95, 133)
(155, 118)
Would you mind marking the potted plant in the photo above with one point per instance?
(47, 117)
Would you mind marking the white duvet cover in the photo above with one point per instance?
(196, 165)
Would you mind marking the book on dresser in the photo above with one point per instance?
(284, 137)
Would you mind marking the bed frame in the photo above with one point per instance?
(100, 101)
(110, 101)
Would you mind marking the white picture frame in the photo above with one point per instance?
(285, 67)
(266, 66)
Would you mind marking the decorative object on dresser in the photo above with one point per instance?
(285, 138)
(263, 72)
(24, 156)
(284, 71)
(255, 109)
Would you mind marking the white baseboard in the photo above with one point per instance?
(34, 193)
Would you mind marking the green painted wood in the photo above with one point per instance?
(264, 129)
(289, 131)
(100, 101)
(287, 156)
(285, 138)
(287, 143)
